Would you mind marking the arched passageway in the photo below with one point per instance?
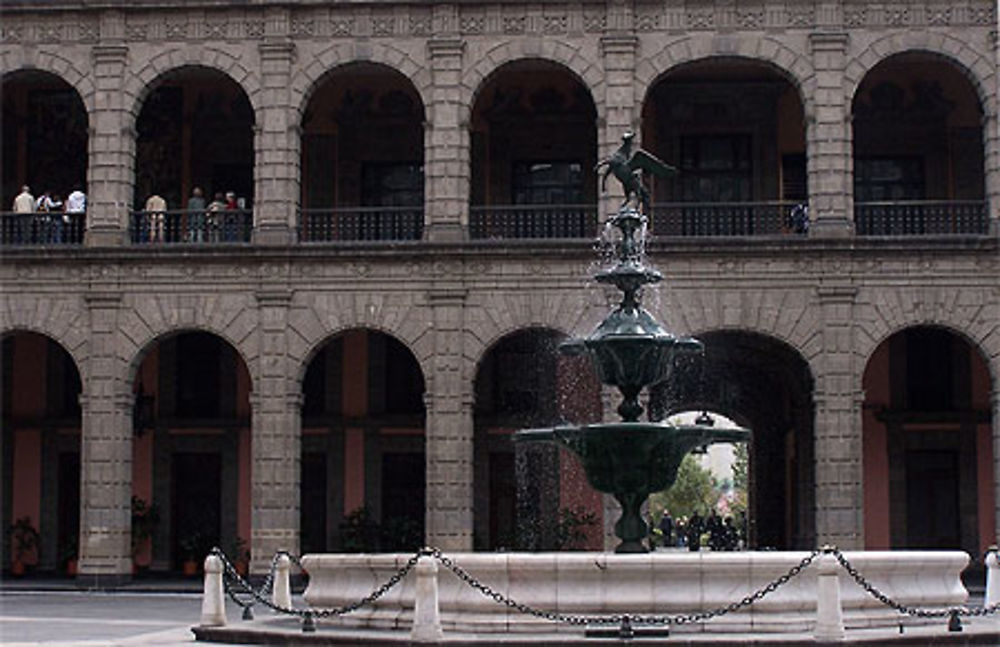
(735, 129)
(41, 452)
(190, 452)
(363, 157)
(766, 386)
(534, 145)
(194, 131)
(928, 447)
(44, 147)
(363, 455)
(919, 166)
(524, 494)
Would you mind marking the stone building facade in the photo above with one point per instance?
(819, 314)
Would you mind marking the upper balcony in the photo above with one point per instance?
(734, 129)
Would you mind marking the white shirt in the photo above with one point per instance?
(24, 202)
(76, 202)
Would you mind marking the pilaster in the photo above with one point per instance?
(619, 53)
(112, 144)
(276, 139)
(446, 145)
(828, 140)
(275, 438)
(105, 453)
(449, 430)
(838, 448)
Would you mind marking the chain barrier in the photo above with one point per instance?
(917, 612)
(623, 619)
(236, 585)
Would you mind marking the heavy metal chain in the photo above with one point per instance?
(261, 595)
(860, 580)
(620, 618)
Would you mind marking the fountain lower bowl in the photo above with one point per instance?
(661, 583)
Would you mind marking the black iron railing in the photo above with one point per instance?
(41, 228)
(729, 218)
(197, 227)
(917, 217)
(533, 221)
(361, 223)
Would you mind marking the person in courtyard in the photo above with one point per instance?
(667, 529)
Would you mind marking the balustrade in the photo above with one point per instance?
(729, 218)
(361, 223)
(42, 228)
(919, 217)
(199, 227)
(533, 221)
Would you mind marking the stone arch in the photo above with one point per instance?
(309, 77)
(976, 67)
(502, 315)
(56, 63)
(148, 321)
(788, 316)
(139, 83)
(53, 318)
(322, 319)
(794, 65)
(588, 72)
(888, 321)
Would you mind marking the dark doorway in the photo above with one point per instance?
(68, 505)
(313, 510)
(932, 499)
(402, 501)
(197, 488)
(503, 500)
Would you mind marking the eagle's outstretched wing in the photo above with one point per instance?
(650, 163)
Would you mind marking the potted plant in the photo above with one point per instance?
(145, 519)
(191, 548)
(23, 542)
(68, 554)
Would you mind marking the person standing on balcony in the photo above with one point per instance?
(196, 216)
(50, 225)
(214, 217)
(230, 218)
(24, 203)
(76, 207)
(156, 208)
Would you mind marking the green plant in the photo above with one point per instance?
(359, 533)
(69, 549)
(192, 546)
(145, 519)
(23, 538)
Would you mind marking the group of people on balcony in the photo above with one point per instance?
(47, 218)
(200, 222)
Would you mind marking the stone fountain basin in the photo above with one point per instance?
(665, 582)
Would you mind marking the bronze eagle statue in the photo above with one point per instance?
(627, 166)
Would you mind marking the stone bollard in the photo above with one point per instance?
(426, 615)
(213, 604)
(281, 595)
(829, 615)
(992, 578)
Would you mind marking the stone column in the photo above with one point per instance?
(449, 432)
(618, 51)
(828, 140)
(105, 454)
(446, 146)
(112, 139)
(275, 445)
(276, 140)
(992, 145)
(838, 450)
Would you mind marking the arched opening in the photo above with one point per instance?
(41, 454)
(363, 448)
(532, 498)
(190, 452)
(193, 160)
(918, 149)
(735, 129)
(363, 157)
(928, 447)
(766, 386)
(44, 147)
(534, 144)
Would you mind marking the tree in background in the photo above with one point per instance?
(695, 490)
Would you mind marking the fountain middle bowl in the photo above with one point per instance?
(631, 457)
